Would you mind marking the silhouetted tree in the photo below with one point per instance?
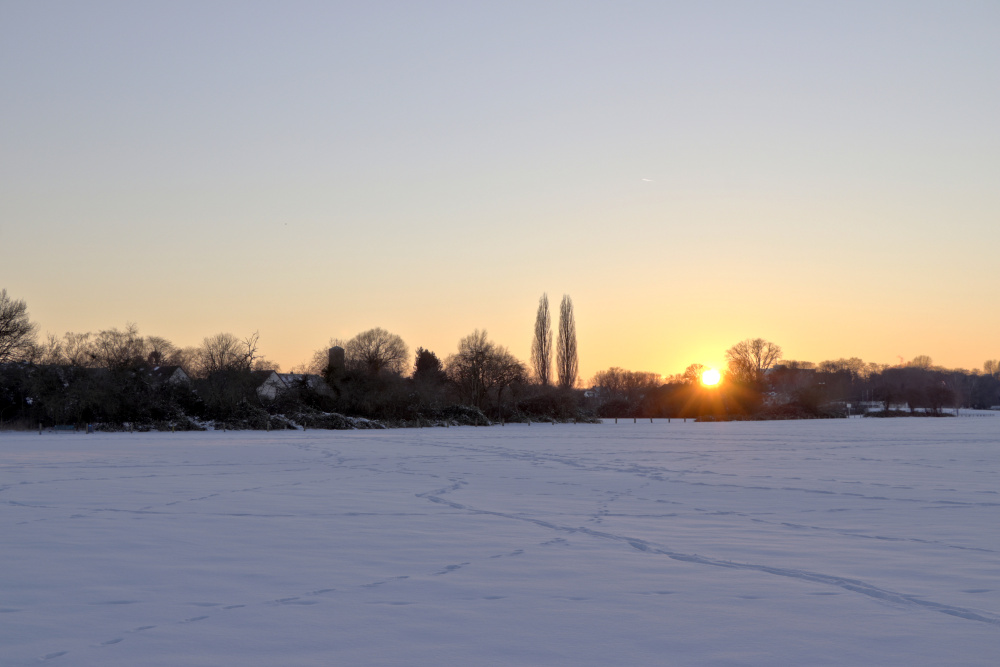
(541, 344)
(566, 354)
(117, 350)
(226, 352)
(622, 392)
(749, 359)
(692, 374)
(17, 332)
(427, 367)
(159, 351)
(939, 395)
(481, 367)
(377, 350)
(985, 391)
(78, 350)
(48, 352)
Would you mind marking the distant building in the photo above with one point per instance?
(160, 375)
(308, 380)
(268, 384)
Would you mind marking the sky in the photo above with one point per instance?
(822, 175)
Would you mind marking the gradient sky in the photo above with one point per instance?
(821, 175)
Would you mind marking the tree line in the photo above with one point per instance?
(759, 384)
(118, 376)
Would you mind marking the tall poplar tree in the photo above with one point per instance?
(566, 357)
(541, 345)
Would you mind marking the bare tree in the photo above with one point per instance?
(118, 350)
(853, 366)
(189, 358)
(468, 367)
(377, 350)
(692, 374)
(17, 332)
(159, 350)
(226, 352)
(48, 352)
(566, 355)
(618, 383)
(749, 359)
(250, 357)
(991, 367)
(506, 371)
(481, 366)
(222, 352)
(541, 344)
(78, 350)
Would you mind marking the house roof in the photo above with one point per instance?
(260, 377)
(162, 373)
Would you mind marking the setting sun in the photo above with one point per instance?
(711, 377)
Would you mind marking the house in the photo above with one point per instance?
(309, 380)
(267, 384)
(160, 375)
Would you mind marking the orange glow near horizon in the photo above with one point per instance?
(445, 212)
(711, 377)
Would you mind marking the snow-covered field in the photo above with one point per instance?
(848, 542)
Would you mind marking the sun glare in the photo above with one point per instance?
(711, 377)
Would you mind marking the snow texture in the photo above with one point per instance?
(845, 542)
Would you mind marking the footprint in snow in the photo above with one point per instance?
(451, 568)
(50, 656)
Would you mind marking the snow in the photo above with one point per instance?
(843, 542)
